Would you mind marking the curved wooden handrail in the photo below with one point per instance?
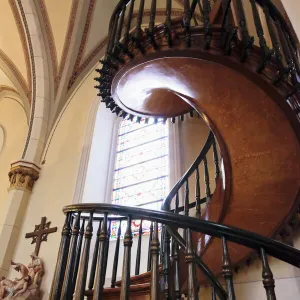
(189, 172)
(235, 235)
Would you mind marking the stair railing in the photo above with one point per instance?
(82, 232)
(75, 243)
(133, 29)
(172, 201)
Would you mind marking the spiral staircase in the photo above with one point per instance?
(236, 64)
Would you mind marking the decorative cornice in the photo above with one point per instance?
(23, 175)
(19, 77)
(21, 31)
(49, 36)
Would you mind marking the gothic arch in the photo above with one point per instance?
(40, 96)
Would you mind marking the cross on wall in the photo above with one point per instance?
(40, 234)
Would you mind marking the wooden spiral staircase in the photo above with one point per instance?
(245, 83)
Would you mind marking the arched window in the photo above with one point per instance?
(141, 174)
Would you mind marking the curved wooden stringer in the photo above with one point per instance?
(217, 69)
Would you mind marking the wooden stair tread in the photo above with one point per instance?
(139, 279)
(137, 292)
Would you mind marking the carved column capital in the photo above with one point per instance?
(23, 175)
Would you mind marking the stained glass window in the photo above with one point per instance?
(141, 176)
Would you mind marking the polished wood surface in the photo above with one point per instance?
(262, 146)
(142, 97)
(137, 292)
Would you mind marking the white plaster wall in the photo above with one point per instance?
(56, 185)
(292, 8)
(14, 123)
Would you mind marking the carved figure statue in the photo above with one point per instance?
(27, 287)
(36, 269)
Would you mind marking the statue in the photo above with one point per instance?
(27, 287)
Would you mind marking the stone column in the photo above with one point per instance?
(22, 177)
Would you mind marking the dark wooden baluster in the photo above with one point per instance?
(186, 203)
(61, 260)
(149, 249)
(214, 296)
(166, 265)
(291, 69)
(216, 159)
(67, 286)
(101, 259)
(151, 32)
(198, 203)
(106, 252)
(128, 25)
(111, 39)
(225, 21)
(139, 247)
(152, 16)
(113, 34)
(293, 52)
(193, 6)
(187, 23)
(116, 258)
(229, 32)
(84, 262)
(206, 179)
(138, 30)
(190, 261)
(268, 280)
(276, 46)
(78, 255)
(176, 203)
(125, 287)
(227, 270)
(186, 198)
(120, 25)
(247, 41)
(175, 257)
(266, 54)
(155, 288)
(94, 260)
(168, 23)
(207, 25)
(162, 238)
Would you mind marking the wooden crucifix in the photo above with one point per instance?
(40, 234)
